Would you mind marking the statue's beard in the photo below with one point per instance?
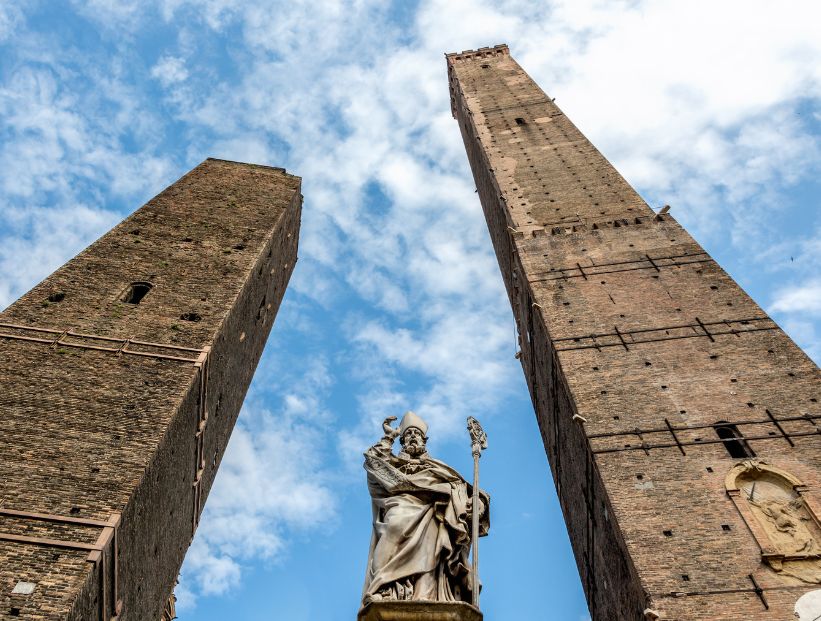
(414, 448)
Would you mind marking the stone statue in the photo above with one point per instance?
(169, 613)
(787, 529)
(422, 512)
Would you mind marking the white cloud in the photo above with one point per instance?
(705, 127)
(362, 105)
(798, 307)
(11, 15)
(169, 70)
(805, 332)
(64, 163)
(111, 13)
(804, 298)
(271, 483)
(700, 113)
(796, 303)
(38, 240)
(216, 13)
(457, 351)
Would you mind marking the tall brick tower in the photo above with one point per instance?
(122, 375)
(681, 424)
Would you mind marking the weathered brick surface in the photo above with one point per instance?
(627, 324)
(86, 433)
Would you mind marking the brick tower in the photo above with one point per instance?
(122, 375)
(681, 424)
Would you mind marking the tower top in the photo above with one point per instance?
(482, 52)
(251, 165)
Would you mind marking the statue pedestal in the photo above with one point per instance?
(419, 611)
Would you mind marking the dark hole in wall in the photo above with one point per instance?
(261, 310)
(520, 121)
(135, 292)
(733, 440)
(190, 317)
(57, 296)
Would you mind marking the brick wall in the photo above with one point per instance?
(134, 424)
(634, 343)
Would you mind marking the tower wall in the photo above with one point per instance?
(635, 344)
(114, 415)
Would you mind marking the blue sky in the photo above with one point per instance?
(397, 301)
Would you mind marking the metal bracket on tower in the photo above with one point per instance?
(104, 552)
(199, 436)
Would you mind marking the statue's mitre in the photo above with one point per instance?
(412, 420)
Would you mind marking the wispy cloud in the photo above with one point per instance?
(11, 14)
(804, 298)
(169, 70)
(271, 483)
(394, 249)
(68, 160)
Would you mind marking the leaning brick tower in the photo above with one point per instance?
(681, 424)
(122, 375)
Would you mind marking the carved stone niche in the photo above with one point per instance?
(782, 516)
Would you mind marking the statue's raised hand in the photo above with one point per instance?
(390, 433)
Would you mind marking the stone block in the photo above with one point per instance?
(419, 611)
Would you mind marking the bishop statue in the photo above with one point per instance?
(422, 523)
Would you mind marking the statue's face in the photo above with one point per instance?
(413, 442)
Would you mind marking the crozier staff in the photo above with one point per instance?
(423, 511)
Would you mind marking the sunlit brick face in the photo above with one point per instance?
(652, 374)
(123, 374)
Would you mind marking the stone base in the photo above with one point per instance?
(419, 611)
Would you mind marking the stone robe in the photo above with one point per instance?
(421, 529)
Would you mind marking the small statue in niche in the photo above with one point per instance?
(789, 522)
(793, 537)
(422, 513)
(781, 512)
